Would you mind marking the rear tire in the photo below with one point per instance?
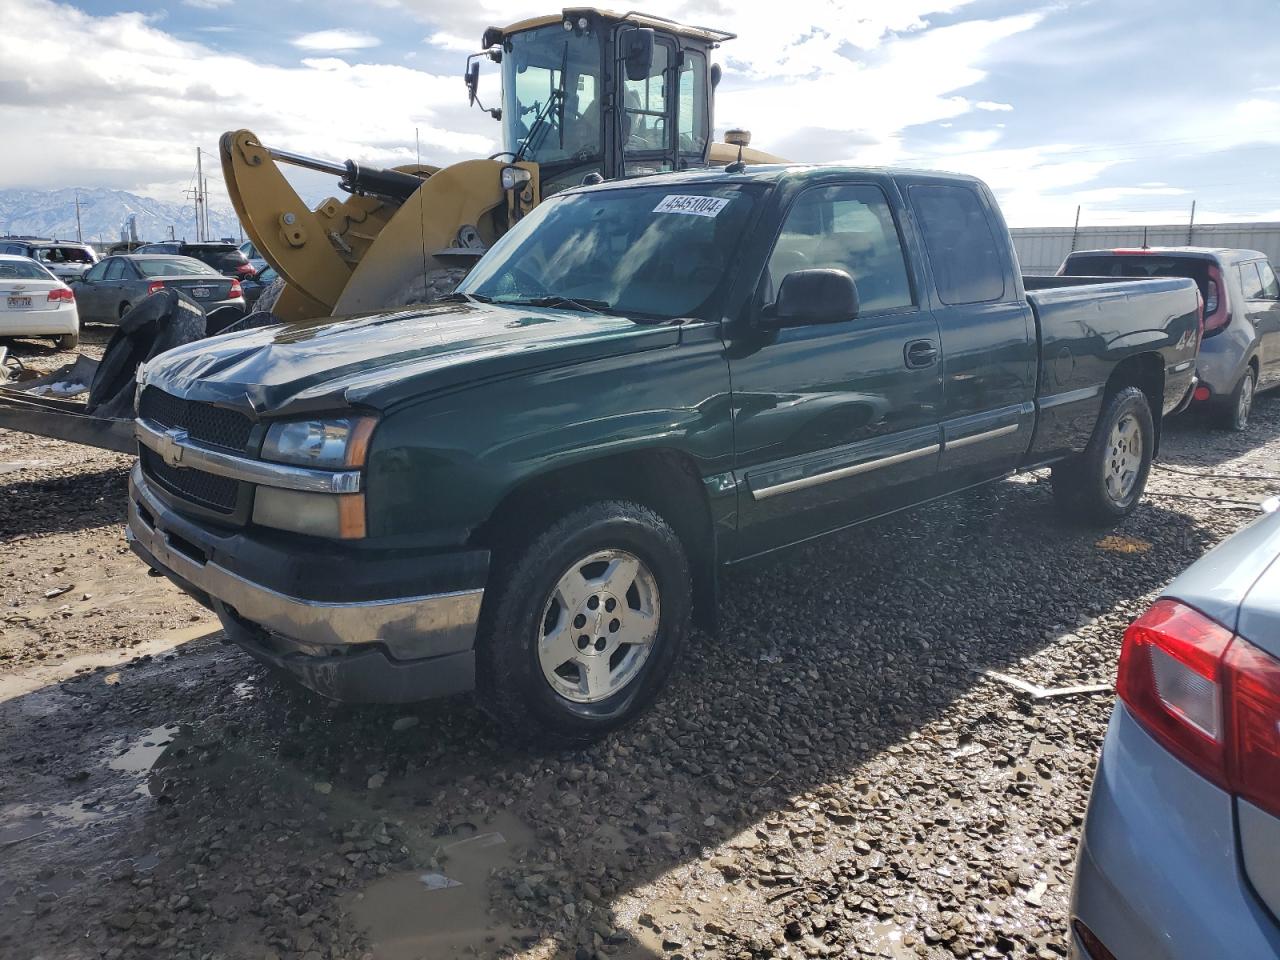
(124, 308)
(68, 341)
(1105, 482)
(1234, 412)
(613, 574)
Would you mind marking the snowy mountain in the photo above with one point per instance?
(52, 213)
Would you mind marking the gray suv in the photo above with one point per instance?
(1240, 353)
(64, 260)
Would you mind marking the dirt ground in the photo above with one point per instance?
(833, 775)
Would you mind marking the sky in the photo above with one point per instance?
(1130, 109)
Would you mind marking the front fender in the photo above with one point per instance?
(440, 467)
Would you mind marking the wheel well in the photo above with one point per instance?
(1146, 372)
(665, 481)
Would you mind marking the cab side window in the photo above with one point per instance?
(97, 271)
(850, 228)
(115, 271)
(1267, 278)
(966, 260)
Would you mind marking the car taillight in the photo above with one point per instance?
(1253, 712)
(62, 295)
(1211, 698)
(155, 286)
(236, 289)
(1216, 316)
(245, 270)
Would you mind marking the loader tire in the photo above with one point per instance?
(161, 322)
(267, 302)
(431, 285)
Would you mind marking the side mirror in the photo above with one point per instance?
(815, 296)
(472, 78)
(637, 52)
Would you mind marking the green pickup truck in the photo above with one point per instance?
(529, 488)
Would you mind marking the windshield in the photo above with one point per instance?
(644, 252)
(550, 94)
(17, 270)
(174, 267)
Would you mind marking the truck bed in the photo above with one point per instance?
(1089, 324)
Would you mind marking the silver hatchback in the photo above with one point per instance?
(1180, 857)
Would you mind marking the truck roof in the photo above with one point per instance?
(1184, 252)
(774, 173)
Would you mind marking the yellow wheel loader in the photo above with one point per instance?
(586, 95)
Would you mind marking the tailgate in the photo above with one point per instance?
(26, 296)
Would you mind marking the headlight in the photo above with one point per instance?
(327, 444)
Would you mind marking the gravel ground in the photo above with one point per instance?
(832, 775)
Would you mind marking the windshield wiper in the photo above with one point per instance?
(566, 303)
(463, 298)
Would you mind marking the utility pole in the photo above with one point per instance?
(79, 231)
(208, 235)
(1075, 231)
(199, 196)
(1191, 225)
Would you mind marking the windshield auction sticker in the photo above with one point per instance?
(694, 206)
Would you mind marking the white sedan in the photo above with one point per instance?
(35, 303)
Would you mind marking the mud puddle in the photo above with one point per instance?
(445, 912)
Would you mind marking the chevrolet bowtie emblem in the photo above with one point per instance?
(170, 446)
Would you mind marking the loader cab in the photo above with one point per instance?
(592, 93)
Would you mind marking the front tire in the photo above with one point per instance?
(1234, 412)
(1106, 481)
(585, 623)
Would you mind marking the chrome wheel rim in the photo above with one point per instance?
(598, 626)
(1125, 457)
(1245, 404)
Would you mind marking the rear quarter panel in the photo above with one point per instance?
(1087, 331)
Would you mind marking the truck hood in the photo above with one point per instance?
(381, 359)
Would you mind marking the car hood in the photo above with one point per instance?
(381, 359)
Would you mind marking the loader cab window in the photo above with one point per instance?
(551, 94)
(692, 107)
(645, 112)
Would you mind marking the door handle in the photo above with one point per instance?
(920, 353)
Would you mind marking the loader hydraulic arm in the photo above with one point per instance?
(315, 251)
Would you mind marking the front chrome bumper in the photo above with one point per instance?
(403, 628)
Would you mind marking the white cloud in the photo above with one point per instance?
(207, 4)
(115, 101)
(993, 106)
(451, 41)
(335, 41)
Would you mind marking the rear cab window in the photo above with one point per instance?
(967, 262)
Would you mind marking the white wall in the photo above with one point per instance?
(1041, 250)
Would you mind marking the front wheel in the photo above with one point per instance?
(1106, 481)
(584, 624)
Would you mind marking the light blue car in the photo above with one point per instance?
(1180, 858)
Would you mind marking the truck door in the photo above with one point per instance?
(1262, 304)
(836, 422)
(988, 332)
